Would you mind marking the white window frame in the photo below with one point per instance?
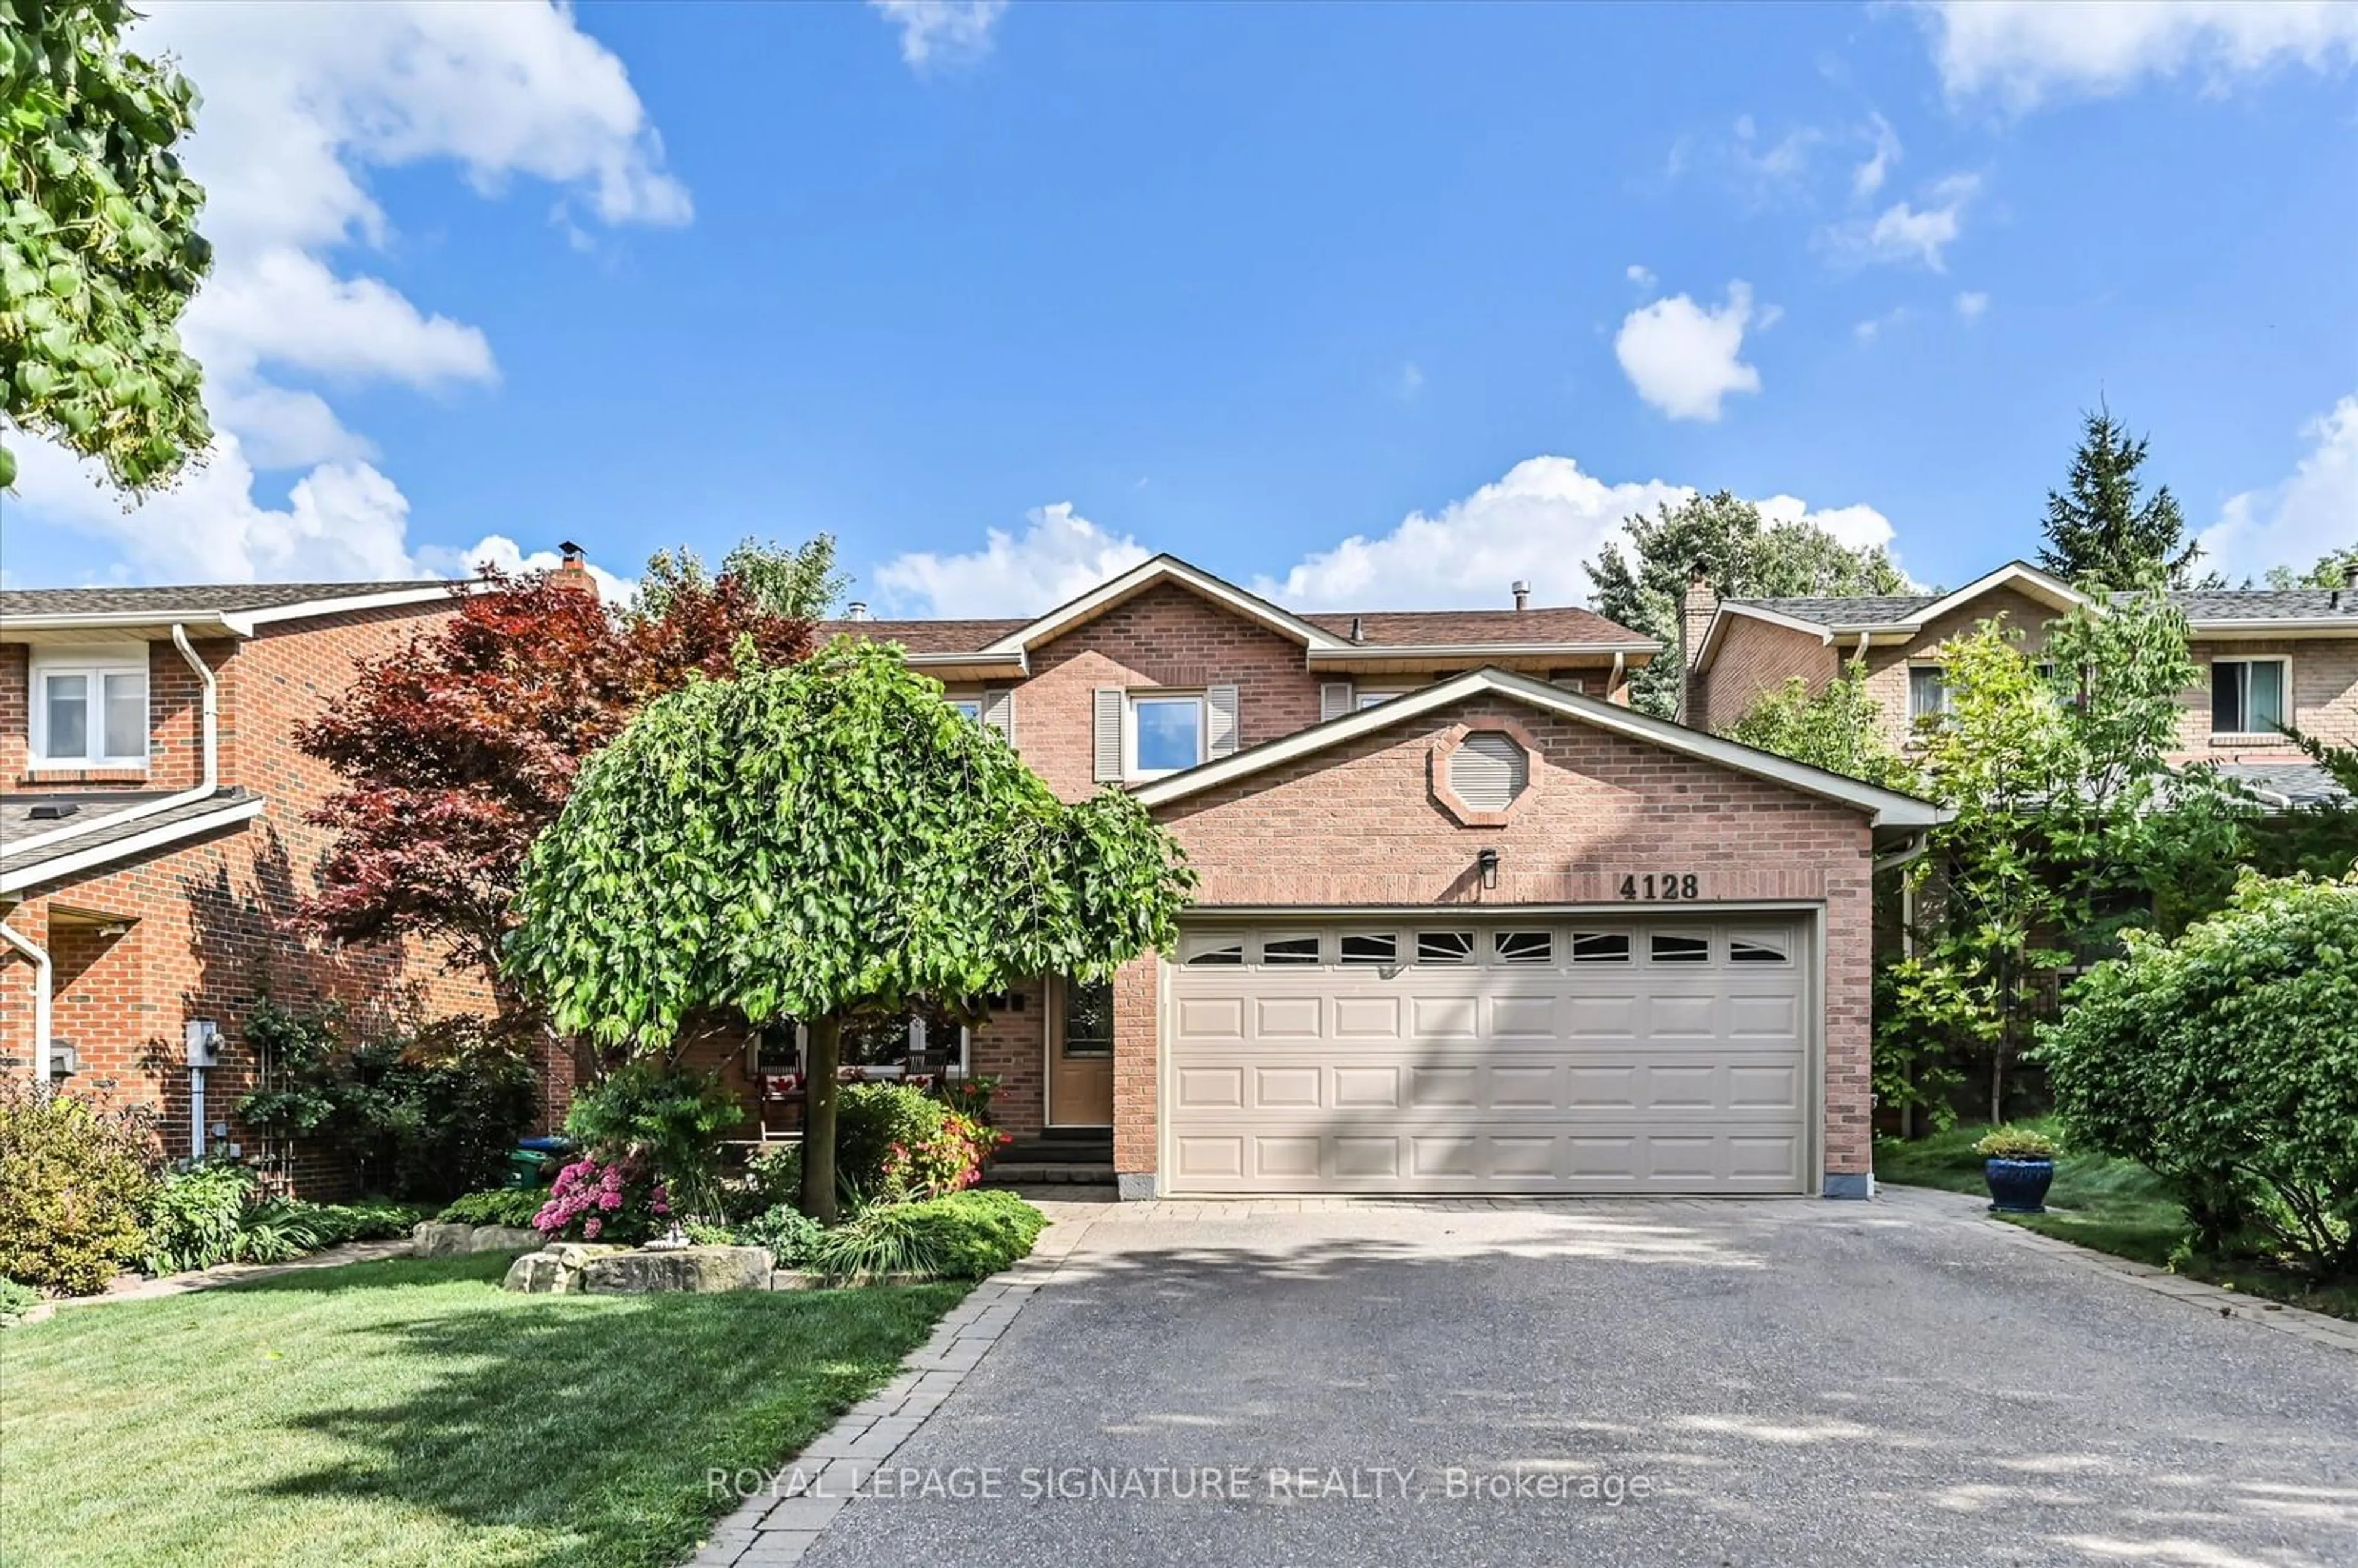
(967, 700)
(94, 664)
(957, 1069)
(2284, 694)
(1917, 714)
(1130, 701)
(1366, 696)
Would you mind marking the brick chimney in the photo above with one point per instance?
(1695, 611)
(573, 570)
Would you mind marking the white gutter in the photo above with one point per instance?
(41, 975)
(210, 765)
(69, 861)
(1357, 651)
(1909, 856)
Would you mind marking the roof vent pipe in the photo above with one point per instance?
(855, 610)
(1523, 591)
(1358, 628)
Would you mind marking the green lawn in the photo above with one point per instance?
(413, 1412)
(2113, 1205)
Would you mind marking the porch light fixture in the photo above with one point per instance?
(1488, 860)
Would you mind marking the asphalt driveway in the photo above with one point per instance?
(1739, 1383)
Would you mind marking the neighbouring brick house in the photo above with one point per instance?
(2268, 657)
(1466, 921)
(153, 839)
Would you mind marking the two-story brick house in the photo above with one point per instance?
(2269, 657)
(1466, 922)
(153, 839)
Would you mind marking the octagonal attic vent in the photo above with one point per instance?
(1481, 774)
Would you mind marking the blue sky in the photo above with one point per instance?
(1378, 307)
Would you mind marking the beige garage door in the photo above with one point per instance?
(1529, 1056)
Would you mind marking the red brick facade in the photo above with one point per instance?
(1358, 824)
(197, 929)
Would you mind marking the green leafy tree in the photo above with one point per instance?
(1744, 557)
(2101, 531)
(2332, 570)
(99, 248)
(2225, 1060)
(1838, 727)
(2070, 823)
(823, 842)
(800, 583)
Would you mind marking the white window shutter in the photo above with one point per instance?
(1333, 699)
(999, 710)
(1219, 721)
(1108, 734)
(1488, 772)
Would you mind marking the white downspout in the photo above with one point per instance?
(210, 762)
(41, 976)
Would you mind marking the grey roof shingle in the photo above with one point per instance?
(2297, 783)
(233, 597)
(2197, 604)
(1388, 628)
(17, 822)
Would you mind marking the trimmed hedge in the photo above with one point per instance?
(2227, 1061)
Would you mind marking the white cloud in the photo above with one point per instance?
(1903, 231)
(1873, 327)
(1683, 357)
(1867, 178)
(1410, 382)
(1061, 553)
(1641, 275)
(2024, 53)
(1539, 524)
(942, 32)
(2295, 521)
(1971, 304)
(300, 104)
(498, 551)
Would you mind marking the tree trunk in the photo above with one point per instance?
(823, 1052)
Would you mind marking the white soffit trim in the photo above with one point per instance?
(1885, 808)
(1728, 607)
(2290, 625)
(1145, 575)
(243, 622)
(1643, 649)
(2045, 587)
(67, 864)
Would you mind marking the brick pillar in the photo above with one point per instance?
(1137, 1060)
(1694, 618)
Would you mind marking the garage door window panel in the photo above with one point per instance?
(1281, 952)
(1600, 946)
(1444, 946)
(1758, 947)
(1371, 948)
(1532, 947)
(1678, 947)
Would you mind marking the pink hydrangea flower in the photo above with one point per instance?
(594, 1227)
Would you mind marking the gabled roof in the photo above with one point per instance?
(2217, 611)
(1326, 636)
(1883, 807)
(231, 609)
(106, 843)
(1148, 574)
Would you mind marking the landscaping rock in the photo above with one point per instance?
(504, 1238)
(685, 1268)
(433, 1240)
(553, 1270)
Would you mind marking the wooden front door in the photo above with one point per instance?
(1080, 1056)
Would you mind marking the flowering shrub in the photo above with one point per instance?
(617, 1201)
(949, 1160)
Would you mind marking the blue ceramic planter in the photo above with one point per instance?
(2018, 1186)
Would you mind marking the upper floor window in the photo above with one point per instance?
(2247, 696)
(970, 706)
(1927, 691)
(89, 708)
(1166, 734)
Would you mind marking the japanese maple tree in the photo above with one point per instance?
(456, 751)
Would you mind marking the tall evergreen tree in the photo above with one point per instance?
(2099, 532)
(1743, 554)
